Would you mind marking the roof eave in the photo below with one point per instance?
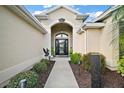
(82, 17)
(106, 13)
(22, 12)
(93, 25)
(90, 25)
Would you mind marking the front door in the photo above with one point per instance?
(61, 46)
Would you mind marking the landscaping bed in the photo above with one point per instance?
(110, 79)
(44, 76)
(33, 78)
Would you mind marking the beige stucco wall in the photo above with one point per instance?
(106, 47)
(79, 43)
(70, 18)
(20, 44)
(93, 40)
(100, 40)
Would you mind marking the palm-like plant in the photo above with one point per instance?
(118, 24)
(118, 14)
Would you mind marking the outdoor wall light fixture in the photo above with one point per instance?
(61, 20)
(23, 83)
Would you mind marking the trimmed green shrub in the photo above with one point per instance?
(120, 68)
(40, 67)
(75, 58)
(103, 62)
(87, 64)
(46, 61)
(52, 51)
(71, 51)
(30, 76)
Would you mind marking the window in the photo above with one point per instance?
(61, 35)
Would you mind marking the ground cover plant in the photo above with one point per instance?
(36, 77)
(30, 76)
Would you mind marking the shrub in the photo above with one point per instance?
(122, 57)
(75, 58)
(46, 61)
(52, 51)
(30, 76)
(103, 63)
(87, 64)
(120, 68)
(40, 67)
(71, 51)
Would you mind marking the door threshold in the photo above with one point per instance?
(62, 55)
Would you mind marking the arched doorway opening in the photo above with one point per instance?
(61, 38)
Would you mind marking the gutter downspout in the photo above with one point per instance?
(86, 42)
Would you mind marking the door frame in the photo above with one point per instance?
(64, 47)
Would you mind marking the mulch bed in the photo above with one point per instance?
(110, 79)
(44, 75)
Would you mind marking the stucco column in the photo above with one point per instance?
(74, 40)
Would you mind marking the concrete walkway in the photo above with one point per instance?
(61, 75)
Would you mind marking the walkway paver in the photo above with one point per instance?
(61, 75)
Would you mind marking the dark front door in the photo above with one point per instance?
(61, 46)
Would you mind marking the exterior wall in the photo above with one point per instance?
(100, 40)
(70, 18)
(20, 44)
(79, 43)
(93, 40)
(106, 47)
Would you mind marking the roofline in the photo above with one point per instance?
(26, 15)
(90, 25)
(107, 13)
(59, 6)
(44, 15)
(93, 25)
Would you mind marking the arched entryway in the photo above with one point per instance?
(61, 38)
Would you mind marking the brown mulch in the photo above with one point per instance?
(44, 75)
(110, 79)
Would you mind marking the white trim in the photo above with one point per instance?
(80, 31)
(93, 25)
(90, 25)
(22, 12)
(82, 17)
(42, 17)
(12, 71)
